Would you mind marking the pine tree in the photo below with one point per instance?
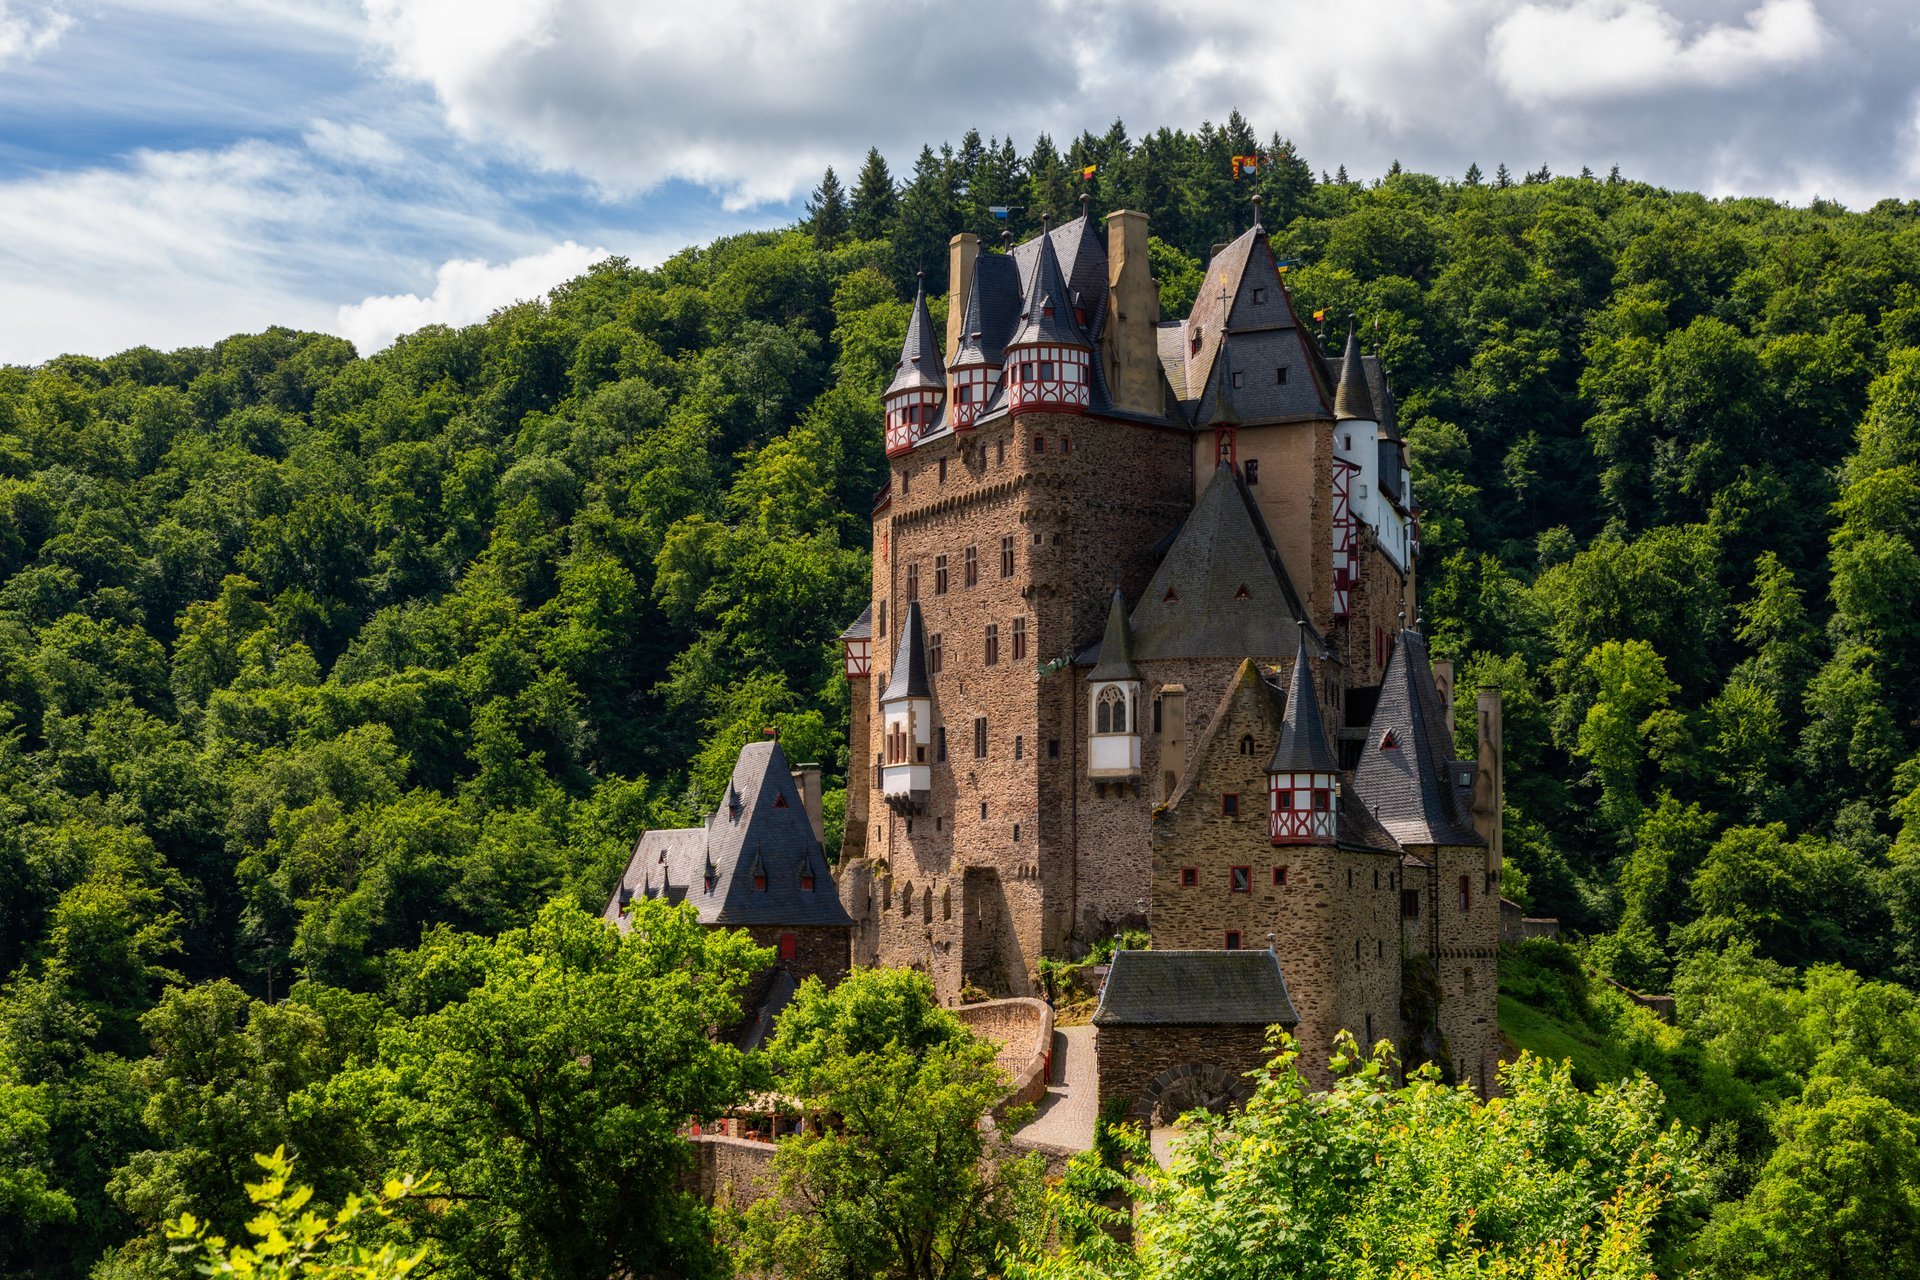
(874, 199)
(1393, 170)
(1340, 176)
(827, 211)
(1472, 178)
(1613, 176)
(1286, 182)
(925, 220)
(1502, 179)
(1539, 176)
(1586, 174)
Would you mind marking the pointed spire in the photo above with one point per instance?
(1116, 646)
(1303, 735)
(1048, 316)
(909, 679)
(921, 362)
(1225, 412)
(1352, 401)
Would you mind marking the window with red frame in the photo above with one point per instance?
(1233, 939)
(1230, 805)
(789, 946)
(1280, 877)
(1189, 877)
(1466, 892)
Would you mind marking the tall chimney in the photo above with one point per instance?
(807, 779)
(1489, 781)
(1133, 308)
(961, 251)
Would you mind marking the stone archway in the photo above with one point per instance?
(1192, 1086)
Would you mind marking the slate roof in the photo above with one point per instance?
(1195, 989)
(993, 310)
(1116, 646)
(1354, 399)
(1410, 787)
(1266, 336)
(909, 678)
(921, 364)
(1005, 298)
(1048, 313)
(760, 828)
(861, 628)
(1303, 734)
(1221, 591)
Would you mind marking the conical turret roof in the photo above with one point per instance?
(1353, 401)
(1116, 647)
(1303, 735)
(1049, 305)
(921, 365)
(909, 679)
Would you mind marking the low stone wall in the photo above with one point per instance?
(736, 1171)
(1023, 1029)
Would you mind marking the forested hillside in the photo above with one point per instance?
(317, 671)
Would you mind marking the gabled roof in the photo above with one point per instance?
(1303, 736)
(1354, 399)
(909, 678)
(1116, 646)
(921, 364)
(1267, 337)
(1221, 591)
(1221, 410)
(1409, 785)
(767, 833)
(1195, 989)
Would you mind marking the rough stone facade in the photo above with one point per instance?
(1165, 1072)
(817, 952)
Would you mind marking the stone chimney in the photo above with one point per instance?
(1443, 681)
(807, 779)
(1489, 781)
(1133, 308)
(961, 251)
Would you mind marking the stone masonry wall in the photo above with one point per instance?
(1331, 912)
(1075, 517)
(1132, 1060)
(818, 952)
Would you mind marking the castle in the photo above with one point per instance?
(1138, 656)
(1140, 593)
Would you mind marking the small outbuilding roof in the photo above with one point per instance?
(1195, 989)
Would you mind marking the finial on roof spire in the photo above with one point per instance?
(1256, 212)
(1086, 198)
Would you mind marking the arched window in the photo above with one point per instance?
(1110, 711)
(1246, 744)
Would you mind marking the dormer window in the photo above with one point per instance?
(1239, 380)
(806, 882)
(779, 802)
(1196, 341)
(1388, 742)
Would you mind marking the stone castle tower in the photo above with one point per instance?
(1137, 654)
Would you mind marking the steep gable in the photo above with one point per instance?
(1221, 590)
(1406, 772)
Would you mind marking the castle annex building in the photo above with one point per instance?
(1137, 655)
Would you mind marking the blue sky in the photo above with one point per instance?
(172, 171)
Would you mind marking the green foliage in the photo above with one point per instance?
(545, 1075)
(897, 1175)
(291, 1240)
(1373, 1178)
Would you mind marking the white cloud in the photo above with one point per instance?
(353, 144)
(465, 290)
(1611, 48)
(27, 32)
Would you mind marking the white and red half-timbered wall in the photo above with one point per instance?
(1047, 377)
(1300, 808)
(1346, 536)
(909, 414)
(973, 386)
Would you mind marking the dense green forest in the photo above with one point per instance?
(322, 676)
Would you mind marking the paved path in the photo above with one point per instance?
(1072, 1103)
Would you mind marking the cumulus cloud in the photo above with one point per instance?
(26, 31)
(1609, 48)
(755, 97)
(465, 290)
